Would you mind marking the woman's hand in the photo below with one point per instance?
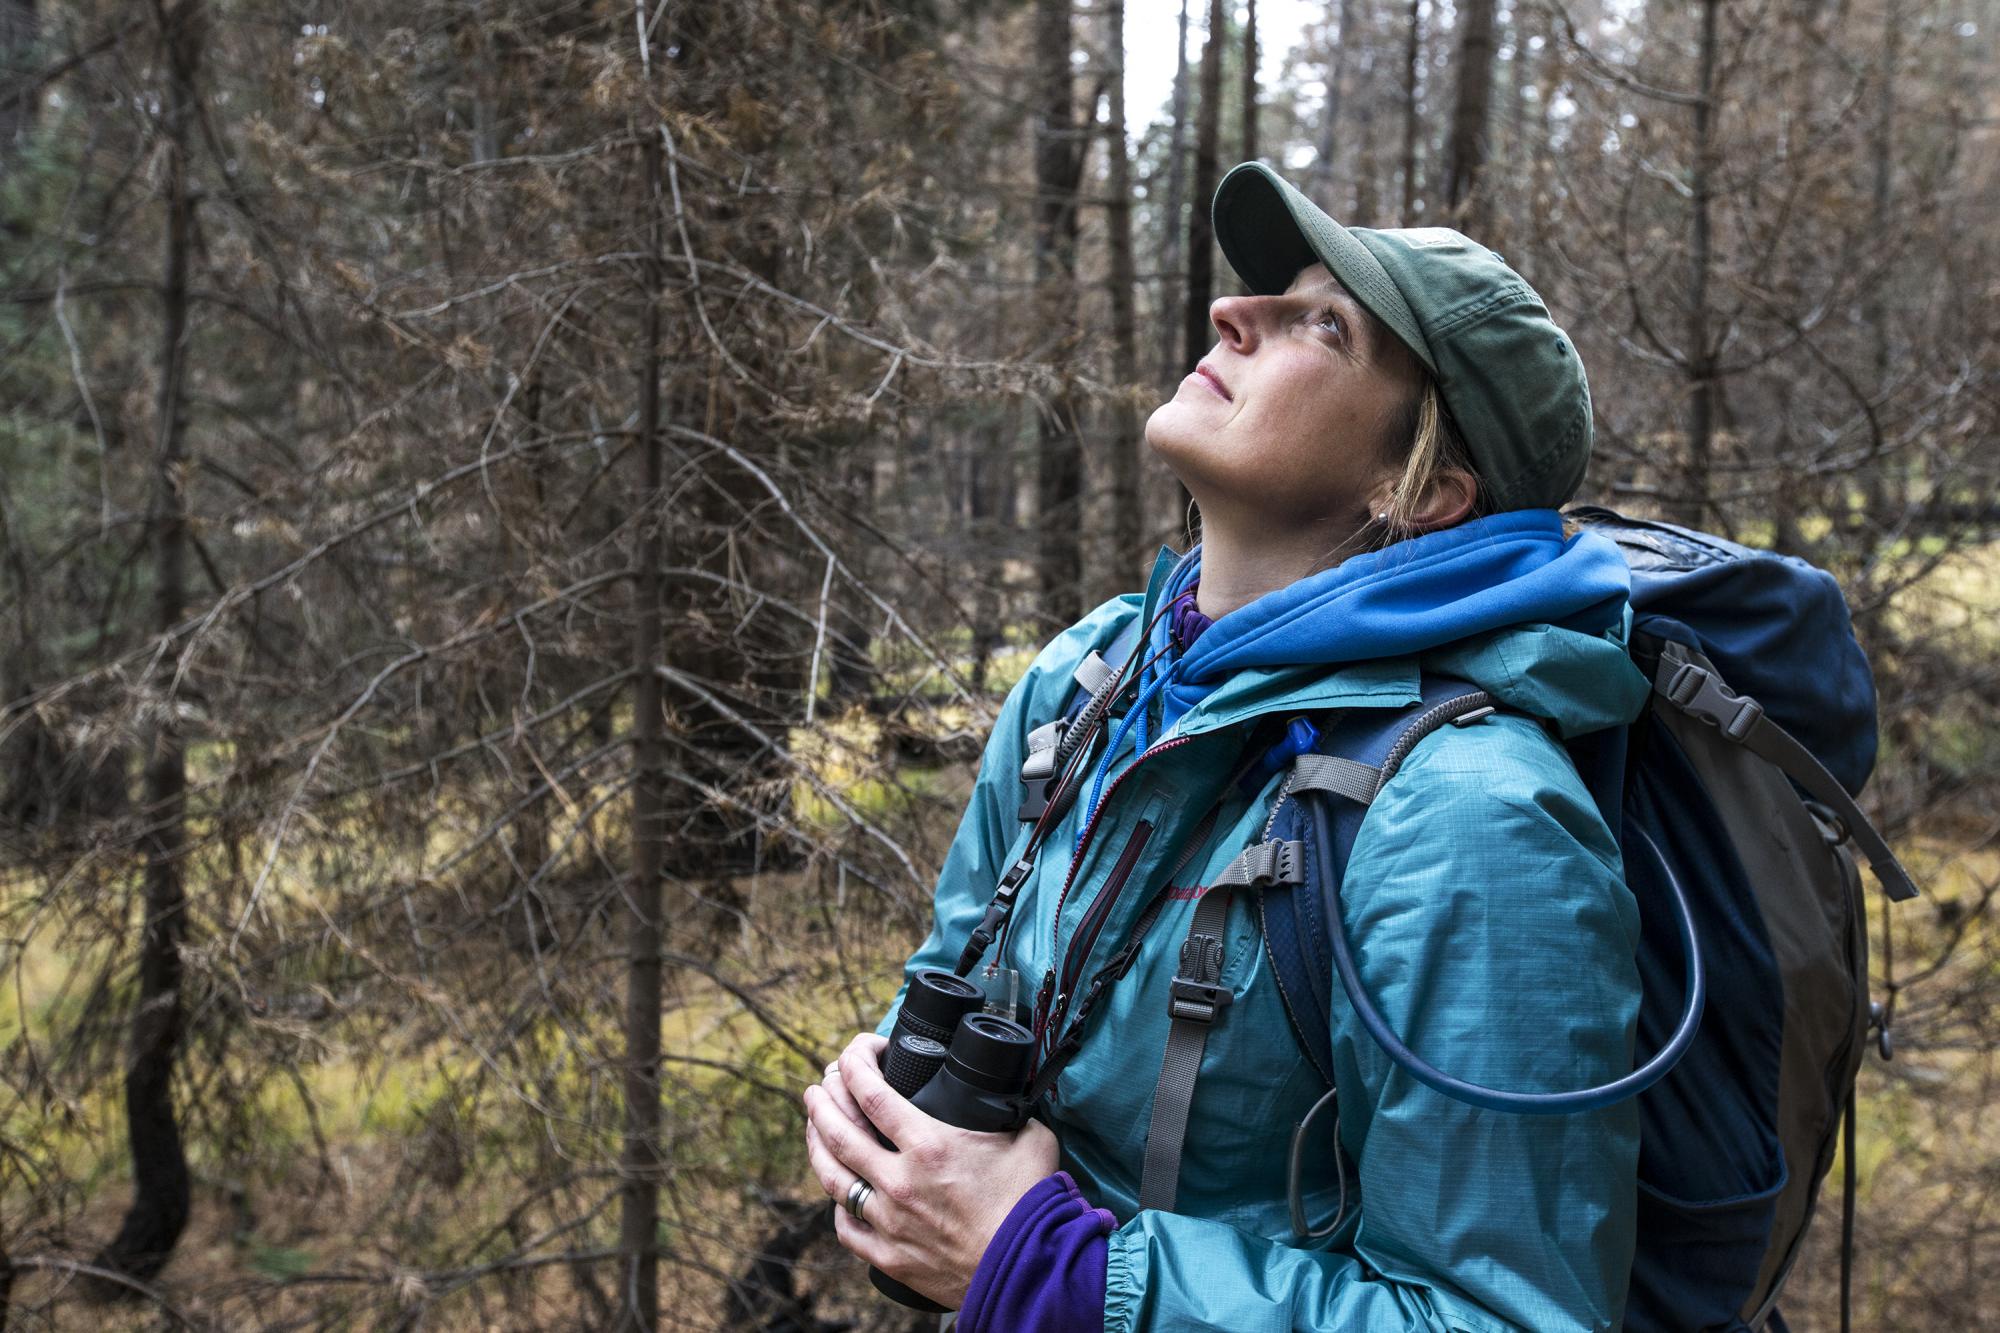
(939, 1201)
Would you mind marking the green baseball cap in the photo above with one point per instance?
(1507, 372)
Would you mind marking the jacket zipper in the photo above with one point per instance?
(1090, 828)
(1092, 924)
(1045, 999)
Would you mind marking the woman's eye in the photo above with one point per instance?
(1329, 319)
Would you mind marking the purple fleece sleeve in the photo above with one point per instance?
(1045, 1266)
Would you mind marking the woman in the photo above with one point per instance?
(1377, 443)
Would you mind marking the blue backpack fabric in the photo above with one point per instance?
(1737, 784)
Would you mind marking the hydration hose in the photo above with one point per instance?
(1493, 1099)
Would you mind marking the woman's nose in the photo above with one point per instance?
(1235, 318)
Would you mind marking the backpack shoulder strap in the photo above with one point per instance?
(1689, 682)
(1358, 750)
(1195, 1002)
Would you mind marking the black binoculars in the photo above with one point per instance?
(958, 1065)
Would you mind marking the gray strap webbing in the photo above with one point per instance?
(1053, 744)
(1092, 674)
(1331, 773)
(1050, 744)
(1044, 746)
(1271, 862)
(1695, 689)
(1195, 1002)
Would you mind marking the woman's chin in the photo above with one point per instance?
(1173, 430)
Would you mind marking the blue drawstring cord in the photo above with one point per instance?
(1149, 660)
(1147, 693)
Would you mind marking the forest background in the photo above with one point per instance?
(516, 516)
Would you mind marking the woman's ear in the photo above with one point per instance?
(1382, 499)
(1449, 499)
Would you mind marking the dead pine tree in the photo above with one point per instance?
(1201, 232)
(1365, 158)
(1127, 514)
(1327, 141)
(1702, 385)
(639, 1157)
(1172, 233)
(1059, 153)
(1413, 55)
(1250, 82)
(1465, 158)
(160, 1185)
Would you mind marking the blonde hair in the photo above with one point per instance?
(1432, 446)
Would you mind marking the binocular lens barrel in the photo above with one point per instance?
(937, 1000)
(911, 1061)
(992, 1053)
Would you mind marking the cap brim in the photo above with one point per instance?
(1268, 231)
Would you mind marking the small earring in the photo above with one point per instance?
(1382, 517)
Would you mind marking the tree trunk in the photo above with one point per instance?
(19, 29)
(1700, 361)
(1171, 229)
(1201, 232)
(1328, 146)
(1881, 496)
(1127, 516)
(1413, 52)
(988, 486)
(160, 1193)
(1784, 493)
(639, 1156)
(1059, 456)
(1250, 84)
(485, 84)
(1366, 158)
(1510, 156)
(1467, 155)
(1549, 76)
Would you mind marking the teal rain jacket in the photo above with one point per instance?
(1490, 920)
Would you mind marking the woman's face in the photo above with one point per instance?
(1287, 418)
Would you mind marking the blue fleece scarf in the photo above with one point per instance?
(1514, 568)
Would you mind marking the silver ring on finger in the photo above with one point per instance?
(858, 1195)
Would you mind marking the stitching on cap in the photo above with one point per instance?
(1542, 464)
(1385, 293)
(1513, 293)
(1545, 464)
(1554, 453)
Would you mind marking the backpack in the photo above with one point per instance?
(1732, 798)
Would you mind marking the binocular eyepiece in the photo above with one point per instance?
(958, 1065)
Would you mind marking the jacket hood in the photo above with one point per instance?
(1504, 601)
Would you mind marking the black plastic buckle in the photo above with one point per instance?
(1697, 691)
(1198, 1001)
(1832, 828)
(1200, 997)
(1035, 798)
